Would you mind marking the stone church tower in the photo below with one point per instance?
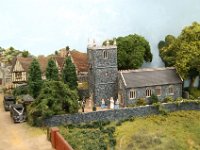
(102, 72)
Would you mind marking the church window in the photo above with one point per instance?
(105, 54)
(148, 92)
(171, 90)
(132, 94)
(158, 90)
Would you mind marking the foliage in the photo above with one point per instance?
(34, 78)
(194, 92)
(132, 51)
(168, 99)
(183, 52)
(21, 90)
(55, 98)
(85, 137)
(153, 99)
(173, 131)
(25, 53)
(52, 70)
(141, 102)
(10, 53)
(69, 74)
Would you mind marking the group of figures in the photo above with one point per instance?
(110, 103)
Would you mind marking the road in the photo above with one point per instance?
(20, 136)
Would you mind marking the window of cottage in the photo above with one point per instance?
(18, 75)
(105, 54)
(171, 90)
(148, 92)
(158, 91)
(132, 94)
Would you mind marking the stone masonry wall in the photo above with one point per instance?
(117, 114)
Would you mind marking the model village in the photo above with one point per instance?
(71, 87)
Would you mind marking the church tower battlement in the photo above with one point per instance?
(103, 72)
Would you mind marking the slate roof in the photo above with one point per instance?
(150, 77)
(80, 60)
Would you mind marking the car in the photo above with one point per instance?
(17, 113)
(7, 101)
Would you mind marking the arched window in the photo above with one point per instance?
(171, 90)
(158, 90)
(148, 92)
(105, 54)
(132, 94)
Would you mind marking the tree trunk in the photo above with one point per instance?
(192, 80)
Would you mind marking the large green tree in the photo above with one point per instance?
(183, 52)
(55, 98)
(34, 78)
(52, 70)
(132, 51)
(69, 74)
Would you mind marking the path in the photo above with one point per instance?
(20, 136)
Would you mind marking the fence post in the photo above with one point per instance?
(54, 131)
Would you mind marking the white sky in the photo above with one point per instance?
(43, 26)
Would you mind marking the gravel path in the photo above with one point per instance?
(20, 136)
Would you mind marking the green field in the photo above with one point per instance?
(175, 131)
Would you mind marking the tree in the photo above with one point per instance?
(167, 50)
(52, 70)
(34, 78)
(69, 74)
(25, 53)
(183, 52)
(132, 51)
(55, 98)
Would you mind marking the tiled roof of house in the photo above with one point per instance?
(24, 61)
(80, 60)
(43, 61)
(150, 77)
(60, 60)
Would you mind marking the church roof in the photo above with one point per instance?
(150, 77)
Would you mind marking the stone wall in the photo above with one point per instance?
(118, 114)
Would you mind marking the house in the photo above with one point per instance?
(80, 61)
(20, 70)
(105, 81)
(142, 83)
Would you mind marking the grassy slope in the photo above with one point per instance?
(178, 130)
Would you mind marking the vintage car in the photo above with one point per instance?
(7, 101)
(17, 113)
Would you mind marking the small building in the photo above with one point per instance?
(142, 83)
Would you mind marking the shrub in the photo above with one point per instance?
(194, 93)
(141, 102)
(153, 99)
(21, 90)
(168, 99)
(55, 98)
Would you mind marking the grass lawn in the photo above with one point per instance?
(175, 131)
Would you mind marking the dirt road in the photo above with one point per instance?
(20, 136)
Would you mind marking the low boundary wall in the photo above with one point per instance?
(118, 114)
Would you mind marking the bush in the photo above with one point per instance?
(168, 99)
(153, 99)
(55, 98)
(21, 90)
(141, 102)
(194, 93)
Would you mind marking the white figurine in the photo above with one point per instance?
(111, 103)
